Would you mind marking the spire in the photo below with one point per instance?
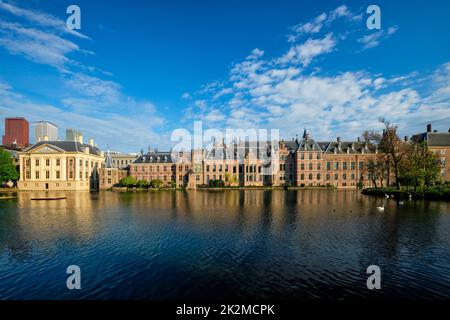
(305, 134)
(108, 160)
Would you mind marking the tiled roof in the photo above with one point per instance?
(348, 147)
(438, 139)
(67, 146)
(308, 145)
(433, 139)
(154, 157)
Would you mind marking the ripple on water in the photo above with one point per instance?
(237, 244)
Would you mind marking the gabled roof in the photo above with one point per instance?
(348, 147)
(308, 145)
(66, 146)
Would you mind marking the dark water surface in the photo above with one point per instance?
(230, 244)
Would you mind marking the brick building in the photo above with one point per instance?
(17, 132)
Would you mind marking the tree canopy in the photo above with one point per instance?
(8, 171)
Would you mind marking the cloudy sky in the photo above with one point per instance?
(138, 70)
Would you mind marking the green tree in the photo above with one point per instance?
(128, 181)
(156, 183)
(420, 167)
(173, 184)
(142, 184)
(8, 171)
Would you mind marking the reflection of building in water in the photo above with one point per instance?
(60, 165)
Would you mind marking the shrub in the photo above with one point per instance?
(128, 181)
(156, 183)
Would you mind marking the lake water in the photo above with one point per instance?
(305, 244)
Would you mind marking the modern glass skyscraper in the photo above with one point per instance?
(73, 135)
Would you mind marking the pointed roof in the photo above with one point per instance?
(305, 134)
(108, 160)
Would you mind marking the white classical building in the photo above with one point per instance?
(60, 165)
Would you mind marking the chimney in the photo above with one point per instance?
(91, 142)
(80, 139)
(429, 127)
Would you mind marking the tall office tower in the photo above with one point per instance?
(73, 135)
(45, 130)
(17, 132)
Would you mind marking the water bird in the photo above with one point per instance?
(380, 208)
(387, 196)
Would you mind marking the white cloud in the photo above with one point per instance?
(125, 132)
(373, 39)
(311, 48)
(40, 18)
(36, 45)
(186, 95)
(321, 21)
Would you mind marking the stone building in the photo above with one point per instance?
(154, 165)
(110, 175)
(301, 162)
(122, 160)
(60, 165)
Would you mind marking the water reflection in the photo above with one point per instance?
(218, 244)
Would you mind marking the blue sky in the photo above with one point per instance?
(137, 70)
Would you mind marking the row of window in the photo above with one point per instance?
(58, 162)
(122, 162)
(336, 166)
(37, 174)
(220, 168)
(311, 155)
(152, 168)
(149, 178)
(336, 176)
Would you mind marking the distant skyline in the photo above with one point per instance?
(138, 70)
